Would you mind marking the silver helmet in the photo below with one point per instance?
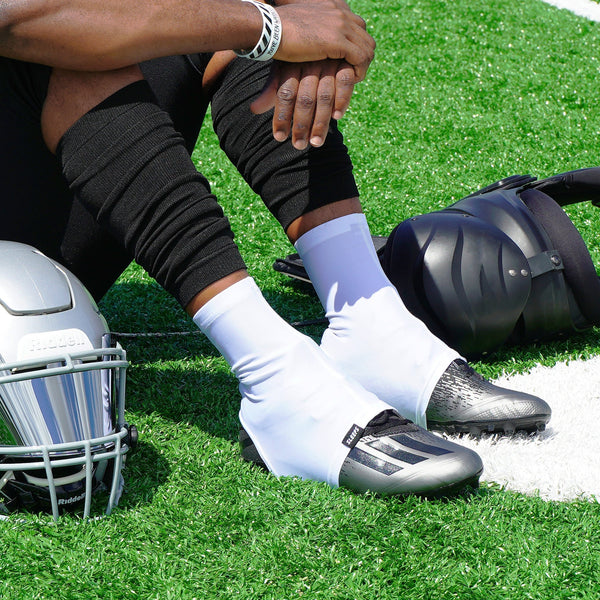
(63, 435)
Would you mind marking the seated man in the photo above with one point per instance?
(99, 112)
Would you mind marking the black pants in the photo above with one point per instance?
(40, 210)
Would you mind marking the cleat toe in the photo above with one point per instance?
(465, 402)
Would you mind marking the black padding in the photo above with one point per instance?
(463, 277)
(579, 271)
(572, 187)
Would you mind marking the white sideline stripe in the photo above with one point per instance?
(563, 462)
(582, 8)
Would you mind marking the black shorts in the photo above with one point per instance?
(39, 209)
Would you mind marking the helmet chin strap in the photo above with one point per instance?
(8, 476)
(58, 481)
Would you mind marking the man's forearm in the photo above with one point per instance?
(99, 35)
(108, 34)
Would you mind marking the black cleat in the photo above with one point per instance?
(465, 402)
(393, 456)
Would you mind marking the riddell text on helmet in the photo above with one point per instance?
(47, 342)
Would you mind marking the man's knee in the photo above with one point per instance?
(71, 94)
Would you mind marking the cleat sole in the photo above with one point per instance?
(532, 425)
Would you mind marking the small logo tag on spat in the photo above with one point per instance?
(352, 437)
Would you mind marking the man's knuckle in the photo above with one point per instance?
(305, 101)
(286, 95)
(320, 125)
(346, 77)
(325, 98)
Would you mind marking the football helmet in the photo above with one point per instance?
(63, 435)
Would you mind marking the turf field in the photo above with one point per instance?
(461, 94)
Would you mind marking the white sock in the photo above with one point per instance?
(296, 406)
(372, 336)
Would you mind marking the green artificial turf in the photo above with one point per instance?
(460, 94)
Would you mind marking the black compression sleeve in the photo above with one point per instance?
(130, 168)
(290, 182)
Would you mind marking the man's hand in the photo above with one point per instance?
(333, 31)
(306, 96)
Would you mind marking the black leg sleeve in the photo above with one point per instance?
(129, 167)
(38, 207)
(291, 182)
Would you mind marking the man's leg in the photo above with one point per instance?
(37, 205)
(130, 169)
(390, 352)
(371, 335)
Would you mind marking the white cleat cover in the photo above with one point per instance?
(296, 406)
(307, 435)
(371, 337)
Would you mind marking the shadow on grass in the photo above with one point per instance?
(511, 359)
(205, 398)
(145, 471)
